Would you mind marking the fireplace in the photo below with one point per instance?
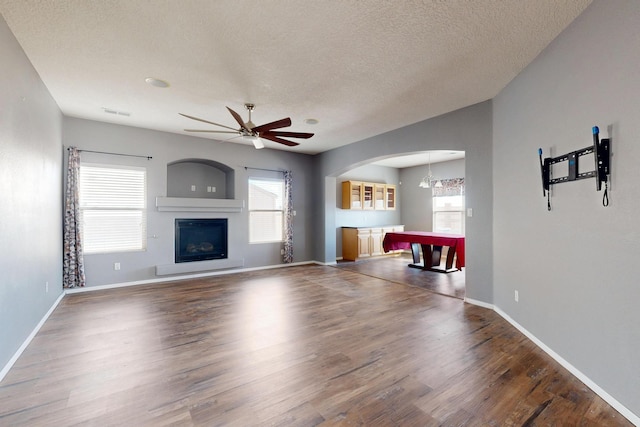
(201, 239)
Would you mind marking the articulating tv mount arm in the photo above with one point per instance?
(601, 153)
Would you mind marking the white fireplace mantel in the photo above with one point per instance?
(187, 204)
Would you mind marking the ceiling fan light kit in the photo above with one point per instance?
(256, 141)
(254, 133)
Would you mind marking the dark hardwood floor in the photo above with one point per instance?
(395, 269)
(297, 346)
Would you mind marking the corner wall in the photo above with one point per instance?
(468, 129)
(574, 267)
(31, 189)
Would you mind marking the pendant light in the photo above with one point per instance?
(426, 181)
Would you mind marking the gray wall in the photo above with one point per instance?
(31, 208)
(416, 202)
(574, 267)
(197, 180)
(469, 130)
(365, 218)
(166, 148)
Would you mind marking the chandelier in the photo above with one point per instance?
(427, 180)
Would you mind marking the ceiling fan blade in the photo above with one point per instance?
(274, 138)
(207, 121)
(212, 131)
(241, 122)
(289, 134)
(282, 123)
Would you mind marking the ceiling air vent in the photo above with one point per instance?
(116, 112)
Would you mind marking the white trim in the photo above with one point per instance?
(195, 267)
(26, 342)
(479, 303)
(633, 418)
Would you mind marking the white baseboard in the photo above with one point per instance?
(478, 303)
(633, 418)
(26, 342)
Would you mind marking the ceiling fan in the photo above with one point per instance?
(252, 132)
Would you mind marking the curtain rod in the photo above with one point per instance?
(268, 170)
(113, 154)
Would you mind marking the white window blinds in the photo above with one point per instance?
(113, 208)
(266, 210)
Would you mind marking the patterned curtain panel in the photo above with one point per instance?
(288, 218)
(73, 263)
(450, 187)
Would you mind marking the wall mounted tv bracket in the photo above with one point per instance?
(601, 153)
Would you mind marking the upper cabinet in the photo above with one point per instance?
(390, 196)
(351, 195)
(368, 195)
(378, 196)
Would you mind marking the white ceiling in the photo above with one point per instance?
(409, 160)
(360, 68)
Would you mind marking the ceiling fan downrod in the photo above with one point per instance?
(250, 108)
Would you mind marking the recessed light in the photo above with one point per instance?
(156, 82)
(311, 121)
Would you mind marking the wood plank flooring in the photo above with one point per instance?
(297, 346)
(395, 269)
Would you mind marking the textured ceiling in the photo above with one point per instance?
(360, 68)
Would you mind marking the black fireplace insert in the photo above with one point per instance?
(201, 239)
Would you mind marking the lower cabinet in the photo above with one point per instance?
(365, 242)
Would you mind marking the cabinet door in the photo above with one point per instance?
(364, 242)
(367, 195)
(379, 196)
(391, 196)
(351, 195)
(349, 244)
(376, 242)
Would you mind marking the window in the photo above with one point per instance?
(448, 206)
(113, 215)
(448, 214)
(266, 210)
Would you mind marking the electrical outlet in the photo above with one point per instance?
(46, 287)
(281, 251)
(116, 266)
(193, 188)
(516, 297)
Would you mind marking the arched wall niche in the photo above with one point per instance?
(201, 179)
